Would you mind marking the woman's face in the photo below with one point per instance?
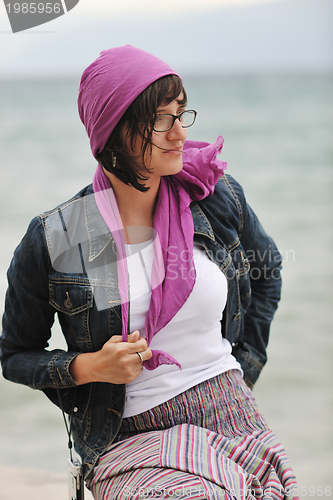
(167, 150)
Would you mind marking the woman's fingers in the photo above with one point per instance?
(139, 344)
(133, 337)
(117, 362)
(145, 354)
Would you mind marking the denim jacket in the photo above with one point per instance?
(65, 264)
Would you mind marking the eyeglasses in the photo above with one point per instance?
(163, 123)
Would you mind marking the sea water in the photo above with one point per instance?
(278, 134)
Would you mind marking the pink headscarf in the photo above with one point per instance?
(108, 87)
(110, 84)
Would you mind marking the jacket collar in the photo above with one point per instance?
(100, 236)
(98, 233)
(201, 222)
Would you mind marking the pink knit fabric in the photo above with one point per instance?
(110, 84)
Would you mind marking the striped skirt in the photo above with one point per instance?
(210, 442)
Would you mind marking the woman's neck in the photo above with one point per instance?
(136, 208)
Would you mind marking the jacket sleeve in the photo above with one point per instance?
(265, 278)
(28, 319)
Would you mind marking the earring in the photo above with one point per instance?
(114, 160)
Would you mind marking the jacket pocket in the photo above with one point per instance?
(73, 301)
(70, 298)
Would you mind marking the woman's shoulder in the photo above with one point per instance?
(230, 189)
(228, 197)
(226, 207)
(36, 235)
(86, 191)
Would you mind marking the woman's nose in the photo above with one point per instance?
(177, 131)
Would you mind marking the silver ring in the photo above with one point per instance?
(141, 358)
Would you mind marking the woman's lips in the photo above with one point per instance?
(174, 151)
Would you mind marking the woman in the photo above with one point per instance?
(165, 285)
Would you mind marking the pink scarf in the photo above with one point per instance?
(173, 244)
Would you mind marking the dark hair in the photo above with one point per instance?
(138, 120)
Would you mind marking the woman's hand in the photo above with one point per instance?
(117, 362)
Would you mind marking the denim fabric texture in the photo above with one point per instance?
(66, 264)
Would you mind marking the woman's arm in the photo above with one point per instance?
(265, 277)
(28, 319)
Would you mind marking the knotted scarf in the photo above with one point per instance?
(173, 245)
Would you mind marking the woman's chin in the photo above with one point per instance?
(170, 167)
(175, 168)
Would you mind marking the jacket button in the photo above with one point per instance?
(67, 302)
(246, 264)
(75, 409)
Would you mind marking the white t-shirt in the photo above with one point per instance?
(193, 337)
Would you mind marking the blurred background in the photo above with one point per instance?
(259, 73)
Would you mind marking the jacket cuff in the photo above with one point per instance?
(59, 369)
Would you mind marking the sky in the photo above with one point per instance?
(193, 36)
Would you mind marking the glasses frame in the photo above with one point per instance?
(175, 117)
